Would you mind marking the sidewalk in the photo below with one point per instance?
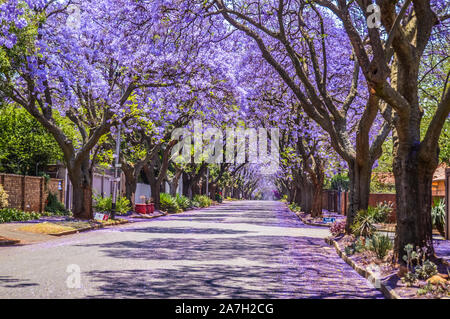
(11, 231)
(10, 234)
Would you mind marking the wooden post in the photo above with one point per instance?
(447, 203)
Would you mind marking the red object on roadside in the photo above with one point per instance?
(140, 208)
(150, 208)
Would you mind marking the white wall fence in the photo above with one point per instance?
(102, 184)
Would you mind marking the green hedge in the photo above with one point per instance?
(8, 215)
(202, 200)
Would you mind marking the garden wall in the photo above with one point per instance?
(29, 193)
(330, 201)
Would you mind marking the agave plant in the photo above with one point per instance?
(438, 216)
(364, 224)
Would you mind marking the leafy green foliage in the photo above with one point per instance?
(3, 198)
(55, 207)
(426, 270)
(25, 146)
(168, 203)
(438, 216)
(381, 212)
(409, 279)
(360, 245)
(104, 204)
(183, 202)
(204, 201)
(349, 250)
(8, 215)
(294, 207)
(340, 182)
(380, 244)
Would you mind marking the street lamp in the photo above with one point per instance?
(116, 169)
(116, 174)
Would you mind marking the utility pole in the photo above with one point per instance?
(207, 181)
(116, 174)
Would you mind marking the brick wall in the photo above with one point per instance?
(29, 193)
(329, 201)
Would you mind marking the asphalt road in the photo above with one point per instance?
(243, 249)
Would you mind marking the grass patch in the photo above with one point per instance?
(46, 228)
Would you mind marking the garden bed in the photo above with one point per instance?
(387, 276)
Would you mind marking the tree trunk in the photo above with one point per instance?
(130, 189)
(81, 179)
(316, 210)
(212, 190)
(156, 191)
(173, 188)
(414, 196)
(359, 191)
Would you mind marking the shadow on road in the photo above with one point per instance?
(242, 267)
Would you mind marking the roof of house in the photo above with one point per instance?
(388, 177)
(384, 177)
(439, 173)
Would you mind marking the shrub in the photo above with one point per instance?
(3, 198)
(104, 204)
(362, 244)
(55, 207)
(8, 215)
(338, 228)
(340, 182)
(381, 244)
(195, 203)
(204, 201)
(183, 202)
(382, 212)
(349, 250)
(359, 246)
(168, 203)
(363, 224)
(426, 270)
(409, 279)
(123, 205)
(438, 216)
(294, 207)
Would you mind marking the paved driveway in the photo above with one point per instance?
(242, 249)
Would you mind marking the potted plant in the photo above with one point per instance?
(150, 207)
(141, 208)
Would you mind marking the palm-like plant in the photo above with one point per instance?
(438, 216)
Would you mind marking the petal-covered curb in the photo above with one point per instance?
(387, 290)
(304, 221)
